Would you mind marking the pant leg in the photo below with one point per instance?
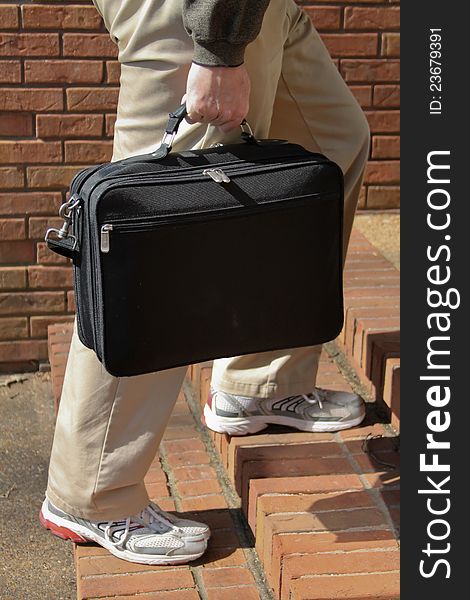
(313, 107)
(108, 429)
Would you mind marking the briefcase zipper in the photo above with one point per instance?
(142, 225)
(196, 173)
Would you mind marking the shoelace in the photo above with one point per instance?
(147, 516)
(318, 396)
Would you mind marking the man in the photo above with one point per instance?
(243, 58)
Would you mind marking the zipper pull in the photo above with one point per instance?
(217, 175)
(105, 229)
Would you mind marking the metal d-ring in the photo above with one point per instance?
(245, 127)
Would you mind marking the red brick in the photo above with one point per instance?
(71, 307)
(307, 503)
(337, 520)
(363, 94)
(371, 291)
(29, 203)
(50, 277)
(43, 99)
(380, 479)
(23, 350)
(391, 44)
(91, 99)
(29, 44)
(157, 490)
(65, 71)
(204, 503)
(310, 543)
(268, 439)
(368, 329)
(347, 563)
(95, 587)
(89, 566)
(387, 96)
(376, 275)
(223, 557)
(31, 303)
(30, 151)
(88, 152)
(292, 467)
(188, 458)
(13, 328)
(194, 473)
(324, 17)
(10, 71)
(384, 171)
(12, 229)
(21, 251)
(384, 121)
(9, 17)
(69, 125)
(226, 576)
(186, 594)
(199, 488)
(249, 593)
(113, 71)
(39, 225)
(350, 44)
(39, 325)
(383, 197)
(355, 315)
(60, 17)
(372, 70)
(51, 177)
(372, 18)
(109, 127)
(386, 146)
(12, 277)
(89, 44)
(16, 125)
(10, 177)
(385, 586)
(278, 452)
(186, 445)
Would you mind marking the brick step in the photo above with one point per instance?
(317, 504)
(371, 334)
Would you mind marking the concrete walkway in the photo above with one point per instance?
(35, 565)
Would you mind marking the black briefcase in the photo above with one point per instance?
(184, 257)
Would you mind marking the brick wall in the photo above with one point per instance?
(58, 91)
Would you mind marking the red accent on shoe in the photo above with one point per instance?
(62, 532)
(209, 399)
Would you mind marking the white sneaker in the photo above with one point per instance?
(320, 410)
(146, 538)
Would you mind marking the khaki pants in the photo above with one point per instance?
(108, 429)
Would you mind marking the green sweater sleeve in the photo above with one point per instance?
(221, 29)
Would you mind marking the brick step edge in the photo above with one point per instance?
(371, 333)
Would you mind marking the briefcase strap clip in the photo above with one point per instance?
(66, 212)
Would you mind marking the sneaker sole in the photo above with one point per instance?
(61, 528)
(246, 425)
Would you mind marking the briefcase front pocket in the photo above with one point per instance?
(182, 289)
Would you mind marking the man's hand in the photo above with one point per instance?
(217, 95)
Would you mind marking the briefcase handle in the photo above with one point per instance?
(171, 129)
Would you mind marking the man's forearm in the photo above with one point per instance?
(221, 29)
